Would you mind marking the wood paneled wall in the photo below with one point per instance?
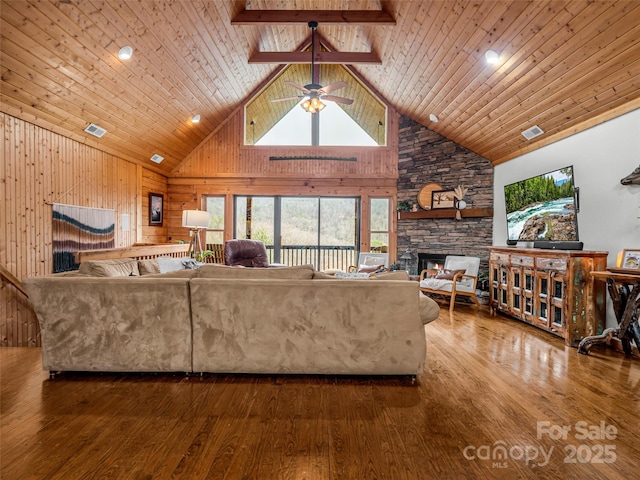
(223, 154)
(222, 165)
(38, 168)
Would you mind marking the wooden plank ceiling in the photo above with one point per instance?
(564, 65)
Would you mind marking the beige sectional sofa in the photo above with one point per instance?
(229, 319)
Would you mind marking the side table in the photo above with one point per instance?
(624, 289)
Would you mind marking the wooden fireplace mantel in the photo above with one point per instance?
(447, 213)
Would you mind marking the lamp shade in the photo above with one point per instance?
(195, 218)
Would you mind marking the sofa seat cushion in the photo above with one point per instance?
(117, 267)
(299, 272)
(444, 285)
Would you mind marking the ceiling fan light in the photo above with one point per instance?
(125, 53)
(195, 119)
(317, 104)
(312, 105)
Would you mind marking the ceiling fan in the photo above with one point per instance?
(314, 91)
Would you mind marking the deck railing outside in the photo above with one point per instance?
(340, 257)
(321, 257)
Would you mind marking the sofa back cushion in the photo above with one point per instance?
(117, 267)
(148, 266)
(299, 272)
(394, 275)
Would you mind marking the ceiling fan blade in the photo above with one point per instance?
(275, 100)
(295, 85)
(333, 98)
(331, 87)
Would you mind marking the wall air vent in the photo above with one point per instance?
(533, 132)
(156, 158)
(95, 130)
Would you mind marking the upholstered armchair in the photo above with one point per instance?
(247, 253)
(458, 277)
(369, 262)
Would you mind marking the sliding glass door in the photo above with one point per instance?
(322, 231)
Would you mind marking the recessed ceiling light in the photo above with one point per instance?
(156, 158)
(492, 57)
(433, 117)
(195, 119)
(125, 53)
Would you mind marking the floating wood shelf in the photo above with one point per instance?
(447, 213)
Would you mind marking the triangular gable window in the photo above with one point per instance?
(362, 123)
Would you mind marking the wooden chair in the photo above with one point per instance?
(459, 277)
(370, 261)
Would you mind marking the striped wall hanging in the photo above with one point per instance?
(80, 228)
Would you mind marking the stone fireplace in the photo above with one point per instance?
(424, 157)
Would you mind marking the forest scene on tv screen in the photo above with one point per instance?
(542, 207)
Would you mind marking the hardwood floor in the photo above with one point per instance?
(489, 382)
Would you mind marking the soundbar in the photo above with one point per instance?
(558, 245)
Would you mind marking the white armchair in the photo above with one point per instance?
(370, 261)
(459, 276)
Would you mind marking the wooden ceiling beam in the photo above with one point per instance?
(323, 17)
(339, 58)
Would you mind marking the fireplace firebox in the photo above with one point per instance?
(430, 261)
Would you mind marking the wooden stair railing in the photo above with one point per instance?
(13, 280)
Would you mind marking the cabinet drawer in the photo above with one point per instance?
(522, 261)
(499, 257)
(551, 264)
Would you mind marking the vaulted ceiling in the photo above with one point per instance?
(564, 66)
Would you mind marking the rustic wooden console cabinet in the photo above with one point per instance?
(550, 289)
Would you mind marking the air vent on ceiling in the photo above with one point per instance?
(95, 130)
(156, 158)
(532, 132)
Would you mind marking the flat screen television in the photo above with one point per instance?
(543, 207)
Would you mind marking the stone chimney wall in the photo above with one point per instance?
(427, 157)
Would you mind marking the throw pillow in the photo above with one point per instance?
(148, 267)
(445, 274)
(117, 267)
(170, 264)
(189, 263)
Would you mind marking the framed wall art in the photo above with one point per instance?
(442, 199)
(630, 260)
(156, 209)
